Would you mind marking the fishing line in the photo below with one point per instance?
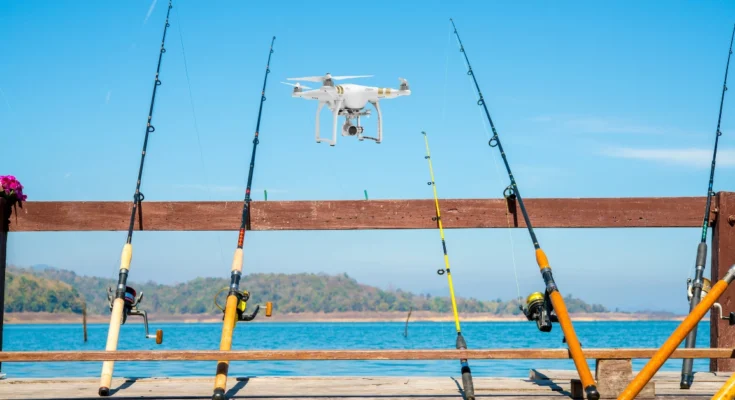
(467, 384)
(696, 287)
(500, 179)
(196, 129)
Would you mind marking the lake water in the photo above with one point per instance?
(265, 335)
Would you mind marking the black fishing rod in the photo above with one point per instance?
(695, 288)
(552, 294)
(236, 299)
(125, 301)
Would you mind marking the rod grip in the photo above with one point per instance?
(575, 348)
(126, 257)
(113, 335)
(727, 391)
(541, 259)
(701, 254)
(237, 260)
(228, 328)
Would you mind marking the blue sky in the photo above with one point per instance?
(590, 99)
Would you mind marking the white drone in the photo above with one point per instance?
(347, 100)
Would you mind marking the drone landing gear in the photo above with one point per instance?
(319, 138)
(131, 308)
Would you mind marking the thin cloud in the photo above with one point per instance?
(689, 156)
(107, 98)
(150, 11)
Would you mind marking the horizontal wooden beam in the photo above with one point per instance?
(362, 214)
(296, 355)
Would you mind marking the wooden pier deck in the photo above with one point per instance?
(544, 385)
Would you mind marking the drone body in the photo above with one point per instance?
(348, 100)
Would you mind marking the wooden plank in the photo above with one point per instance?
(295, 355)
(723, 257)
(566, 374)
(285, 388)
(361, 214)
(315, 388)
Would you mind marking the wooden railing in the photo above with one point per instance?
(669, 212)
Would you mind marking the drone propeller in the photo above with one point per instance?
(404, 84)
(297, 85)
(339, 78)
(327, 76)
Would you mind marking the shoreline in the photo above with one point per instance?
(338, 317)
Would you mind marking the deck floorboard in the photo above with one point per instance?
(557, 386)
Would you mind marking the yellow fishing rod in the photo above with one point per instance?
(469, 389)
(552, 300)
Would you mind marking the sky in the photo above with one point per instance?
(591, 99)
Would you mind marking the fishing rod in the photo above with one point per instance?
(234, 309)
(125, 302)
(552, 299)
(694, 289)
(685, 327)
(469, 389)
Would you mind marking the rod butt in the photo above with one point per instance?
(104, 391)
(468, 386)
(592, 393)
(219, 394)
(686, 381)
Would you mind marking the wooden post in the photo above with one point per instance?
(723, 256)
(84, 320)
(4, 228)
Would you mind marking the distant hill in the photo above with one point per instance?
(26, 291)
(290, 293)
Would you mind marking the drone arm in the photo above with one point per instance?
(318, 111)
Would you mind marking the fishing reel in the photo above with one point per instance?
(242, 299)
(130, 307)
(538, 308)
(706, 287)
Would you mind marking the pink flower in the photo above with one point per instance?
(11, 189)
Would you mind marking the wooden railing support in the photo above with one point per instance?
(722, 334)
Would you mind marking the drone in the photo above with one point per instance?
(347, 100)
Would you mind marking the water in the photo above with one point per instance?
(265, 335)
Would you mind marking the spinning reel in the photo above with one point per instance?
(538, 308)
(131, 308)
(242, 299)
(706, 287)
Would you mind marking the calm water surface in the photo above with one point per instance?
(265, 335)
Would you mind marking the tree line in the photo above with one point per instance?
(57, 290)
